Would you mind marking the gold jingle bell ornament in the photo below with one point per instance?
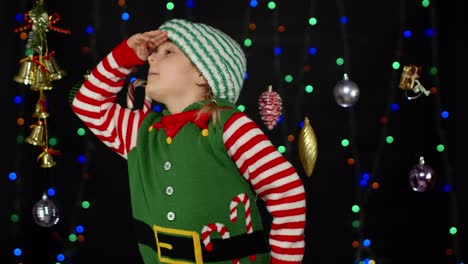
(26, 71)
(307, 147)
(55, 72)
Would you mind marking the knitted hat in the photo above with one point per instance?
(216, 55)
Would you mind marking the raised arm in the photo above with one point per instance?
(116, 126)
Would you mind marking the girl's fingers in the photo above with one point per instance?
(137, 40)
(150, 47)
(155, 33)
(148, 41)
(159, 39)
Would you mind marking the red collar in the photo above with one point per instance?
(173, 123)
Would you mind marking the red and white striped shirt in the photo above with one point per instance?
(275, 181)
(272, 177)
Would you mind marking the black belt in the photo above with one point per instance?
(223, 249)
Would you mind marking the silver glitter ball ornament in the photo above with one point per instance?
(346, 92)
(45, 212)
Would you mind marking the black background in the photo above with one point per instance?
(404, 226)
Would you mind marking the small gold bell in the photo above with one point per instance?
(41, 80)
(56, 73)
(46, 159)
(39, 111)
(37, 136)
(25, 73)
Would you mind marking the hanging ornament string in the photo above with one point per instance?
(44, 208)
(39, 69)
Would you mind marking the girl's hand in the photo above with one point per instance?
(145, 43)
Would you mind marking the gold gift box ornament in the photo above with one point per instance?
(409, 82)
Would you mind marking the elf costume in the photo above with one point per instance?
(194, 182)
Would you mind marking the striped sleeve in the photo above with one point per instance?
(275, 181)
(94, 103)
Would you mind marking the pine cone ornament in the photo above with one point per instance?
(270, 106)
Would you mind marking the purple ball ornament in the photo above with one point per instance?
(421, 177)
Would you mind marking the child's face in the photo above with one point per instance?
(170, 74)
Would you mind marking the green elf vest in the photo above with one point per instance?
(181, 186)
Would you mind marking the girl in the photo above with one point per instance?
(196, 169)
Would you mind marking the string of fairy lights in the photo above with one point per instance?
(367, 182)
(309, 51)
(15, 176)
(370, 182)
(440, 116)
(361, 242)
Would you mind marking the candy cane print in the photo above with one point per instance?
(131, 91)
(244, 198)
(206, 233)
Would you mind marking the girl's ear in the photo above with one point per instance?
(201, 80)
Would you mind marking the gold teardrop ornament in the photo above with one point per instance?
(307, 147)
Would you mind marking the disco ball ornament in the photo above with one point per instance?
(270, 106)
(346, 92)
(421, 177)
(45, 212)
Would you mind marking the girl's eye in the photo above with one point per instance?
(163, 51)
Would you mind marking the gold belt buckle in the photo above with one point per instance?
(179, 232)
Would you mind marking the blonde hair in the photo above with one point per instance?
(210, 106)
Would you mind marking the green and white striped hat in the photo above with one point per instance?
(216, 55)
